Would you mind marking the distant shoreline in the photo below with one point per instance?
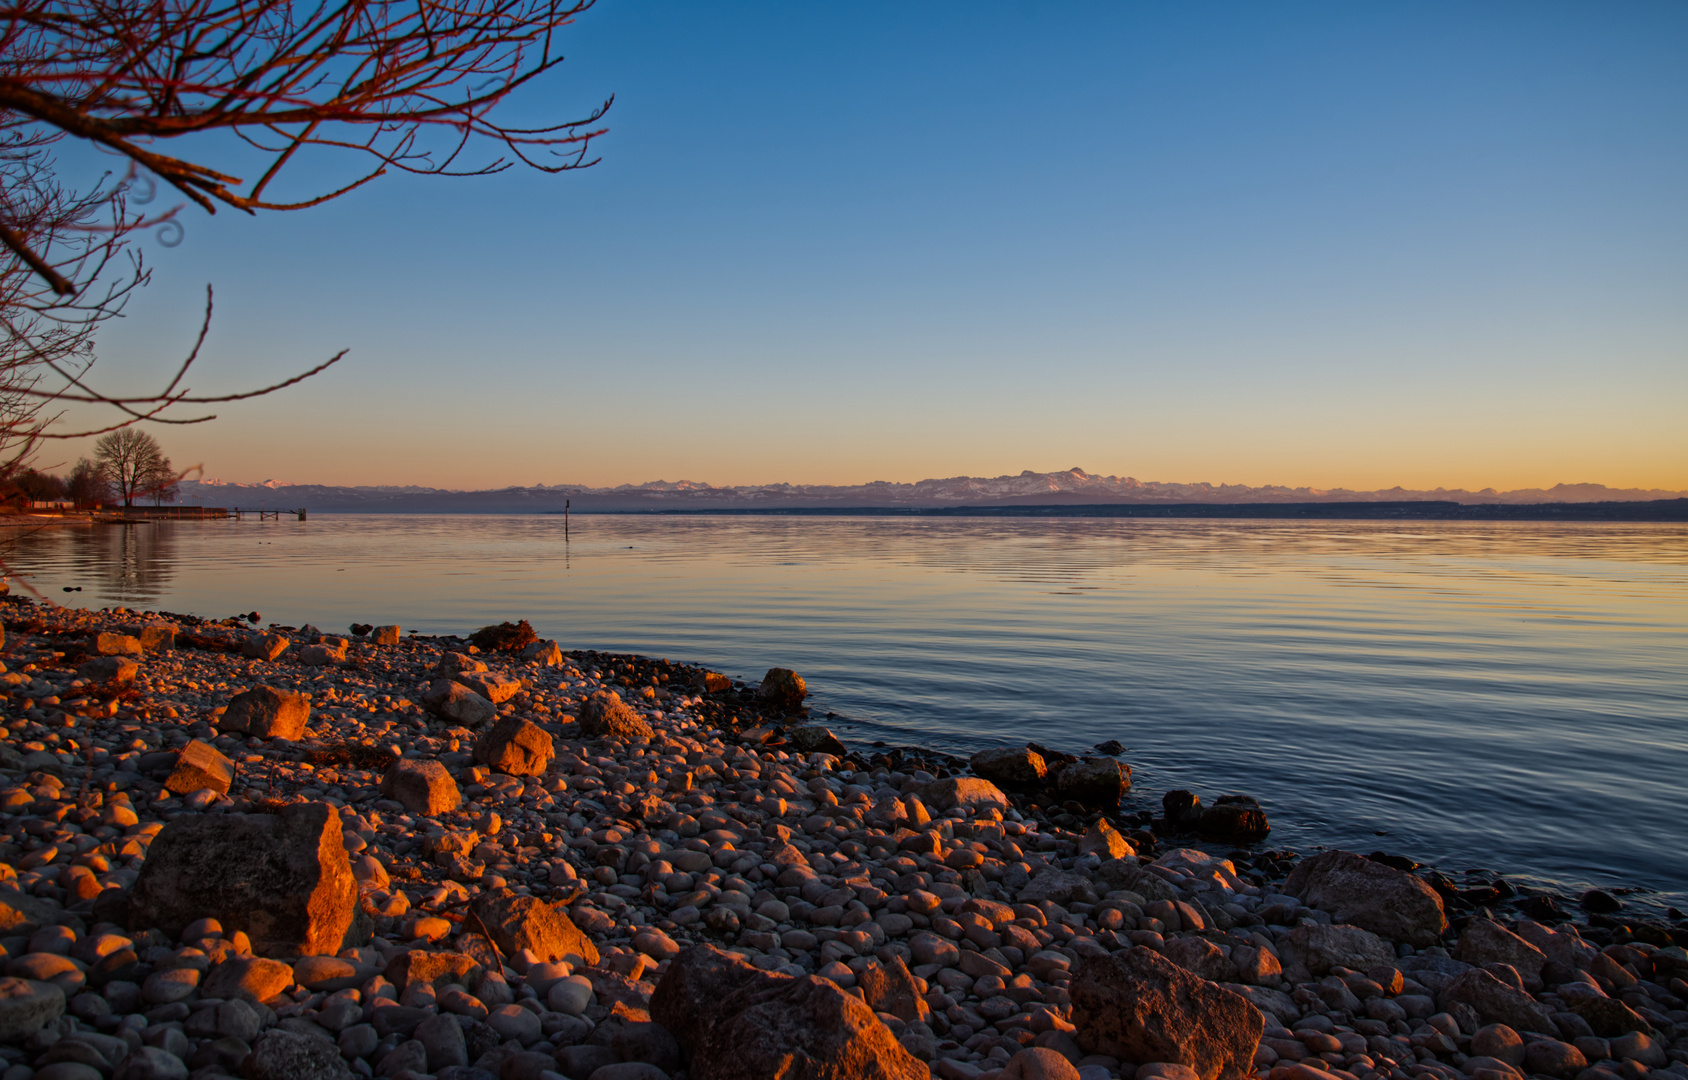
(1658, 510)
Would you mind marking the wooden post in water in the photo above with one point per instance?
(565, 521)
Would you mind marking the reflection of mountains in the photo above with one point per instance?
(134, 564)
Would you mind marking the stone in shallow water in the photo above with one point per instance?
(1095, 782)
(1020, 767)
(784, 687)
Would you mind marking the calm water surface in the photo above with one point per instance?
(1512, 696)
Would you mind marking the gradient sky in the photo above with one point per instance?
(1305, 243)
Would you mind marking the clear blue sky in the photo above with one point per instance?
(1308, 243)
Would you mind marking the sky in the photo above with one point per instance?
(1327, 244)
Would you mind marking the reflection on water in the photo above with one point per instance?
(1508, 695)
(132, 565)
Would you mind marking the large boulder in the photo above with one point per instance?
(1127, 874)
(424, 787)
(494, 687)
(264, 646)
(516, 747)
(738, 1023)
(1139, 1006)
(1238, 819)
(1059, 886)
(109, 644)
(890, 988)
(1093, 782)
(543, 653)
(285, 1055)
(1319, 947)
(784, 688)
(1010, 766)
(282, 878)
(107, 672)
(1498, 1003)
(694, 985)
(26, 1006)
(199, 766)
(1484, 941)
(453, 701)
(266, 712)
(1370, 895)
(967, 792)
(605, 716)
(1106, 841)
(813, 739)
(516, 922)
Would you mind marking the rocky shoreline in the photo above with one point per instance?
(233, 852)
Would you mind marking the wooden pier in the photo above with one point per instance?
(266, 515)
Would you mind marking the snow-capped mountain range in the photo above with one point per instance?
(1070, 488)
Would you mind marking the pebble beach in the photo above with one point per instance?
(242, 851)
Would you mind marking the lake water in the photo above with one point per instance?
(1505, 696)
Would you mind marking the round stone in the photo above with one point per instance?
(163, 987)
(515, 1022)
(570, 995)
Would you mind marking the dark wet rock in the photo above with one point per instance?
(784, 688)
(1010, 766)
(812, 739)
(1237, 819)
(1182, 810)
(504, 637)
(1093, 782)
(1600, 902)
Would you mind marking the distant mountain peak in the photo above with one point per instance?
(1074, 486)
